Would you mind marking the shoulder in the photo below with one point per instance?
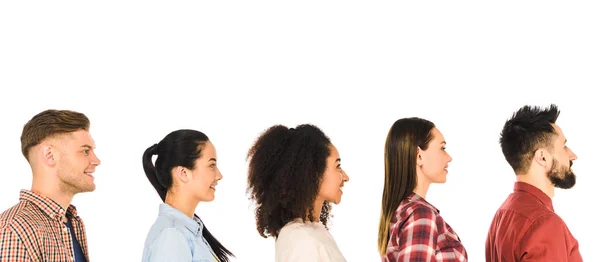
(550, 221)
(23, 218)
(296, 230)
(313, 233)
(416, 210)
(524, 206)
(161, 229)
(23, 229)
(302, 241)
(166, 239)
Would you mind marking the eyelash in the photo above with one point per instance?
(213, 165)
(86, 152)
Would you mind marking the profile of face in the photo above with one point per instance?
(560, 173)
(333, 178)
(75, 161)
(202, 180)
(433, 162)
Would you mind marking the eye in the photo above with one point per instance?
(86, 152)
(213, 165)
(444, 148)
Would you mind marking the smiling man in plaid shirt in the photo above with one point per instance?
(44, 226)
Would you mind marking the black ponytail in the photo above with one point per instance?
(152, 172)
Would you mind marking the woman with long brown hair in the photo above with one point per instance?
(410, 228)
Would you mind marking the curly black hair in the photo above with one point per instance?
(285, 171)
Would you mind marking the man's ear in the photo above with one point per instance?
(49, 154)
(541, 157)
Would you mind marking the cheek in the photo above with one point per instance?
(201, 180)
(434, 163)
(329, 185)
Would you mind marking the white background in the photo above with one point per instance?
(140, 69)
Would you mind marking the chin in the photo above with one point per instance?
(88, 188)
(208, 199)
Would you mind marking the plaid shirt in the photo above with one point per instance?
(33, 230)
(418, 233)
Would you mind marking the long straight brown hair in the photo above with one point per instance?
(403, 139)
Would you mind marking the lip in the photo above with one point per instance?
(90, 175)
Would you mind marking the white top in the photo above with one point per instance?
(306, 241)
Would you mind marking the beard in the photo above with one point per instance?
(562, 176)
(73, 183)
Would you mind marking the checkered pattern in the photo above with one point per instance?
(418, 233)
(32, 230)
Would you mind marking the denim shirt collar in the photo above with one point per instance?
(194, 225)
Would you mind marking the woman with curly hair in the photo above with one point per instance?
(293, 176)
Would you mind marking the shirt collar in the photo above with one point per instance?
(414, 197)
(47, 205)
(534, 191)
(194, 225)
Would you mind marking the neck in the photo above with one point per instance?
(540, 181)
(52, 190)
(421, 189)
(317, 206)
(187, 205)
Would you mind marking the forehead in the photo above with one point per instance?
(78, 138)
(560, 137)
(209, 151)
(333, 152)
(437, 135)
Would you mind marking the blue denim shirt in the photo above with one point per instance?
(176, 237)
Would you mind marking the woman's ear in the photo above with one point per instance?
(419, 156)
(182, 174)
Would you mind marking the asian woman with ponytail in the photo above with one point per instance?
(184, 174)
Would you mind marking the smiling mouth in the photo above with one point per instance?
(213, 187)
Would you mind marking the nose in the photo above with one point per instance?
(95, 160)
(573, 156)
(219, 175)
(345, 177)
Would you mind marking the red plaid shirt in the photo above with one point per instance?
(418, 233)
(33, 230)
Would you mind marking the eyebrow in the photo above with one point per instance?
(212, 159)
(87, 146)
(338, 160)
